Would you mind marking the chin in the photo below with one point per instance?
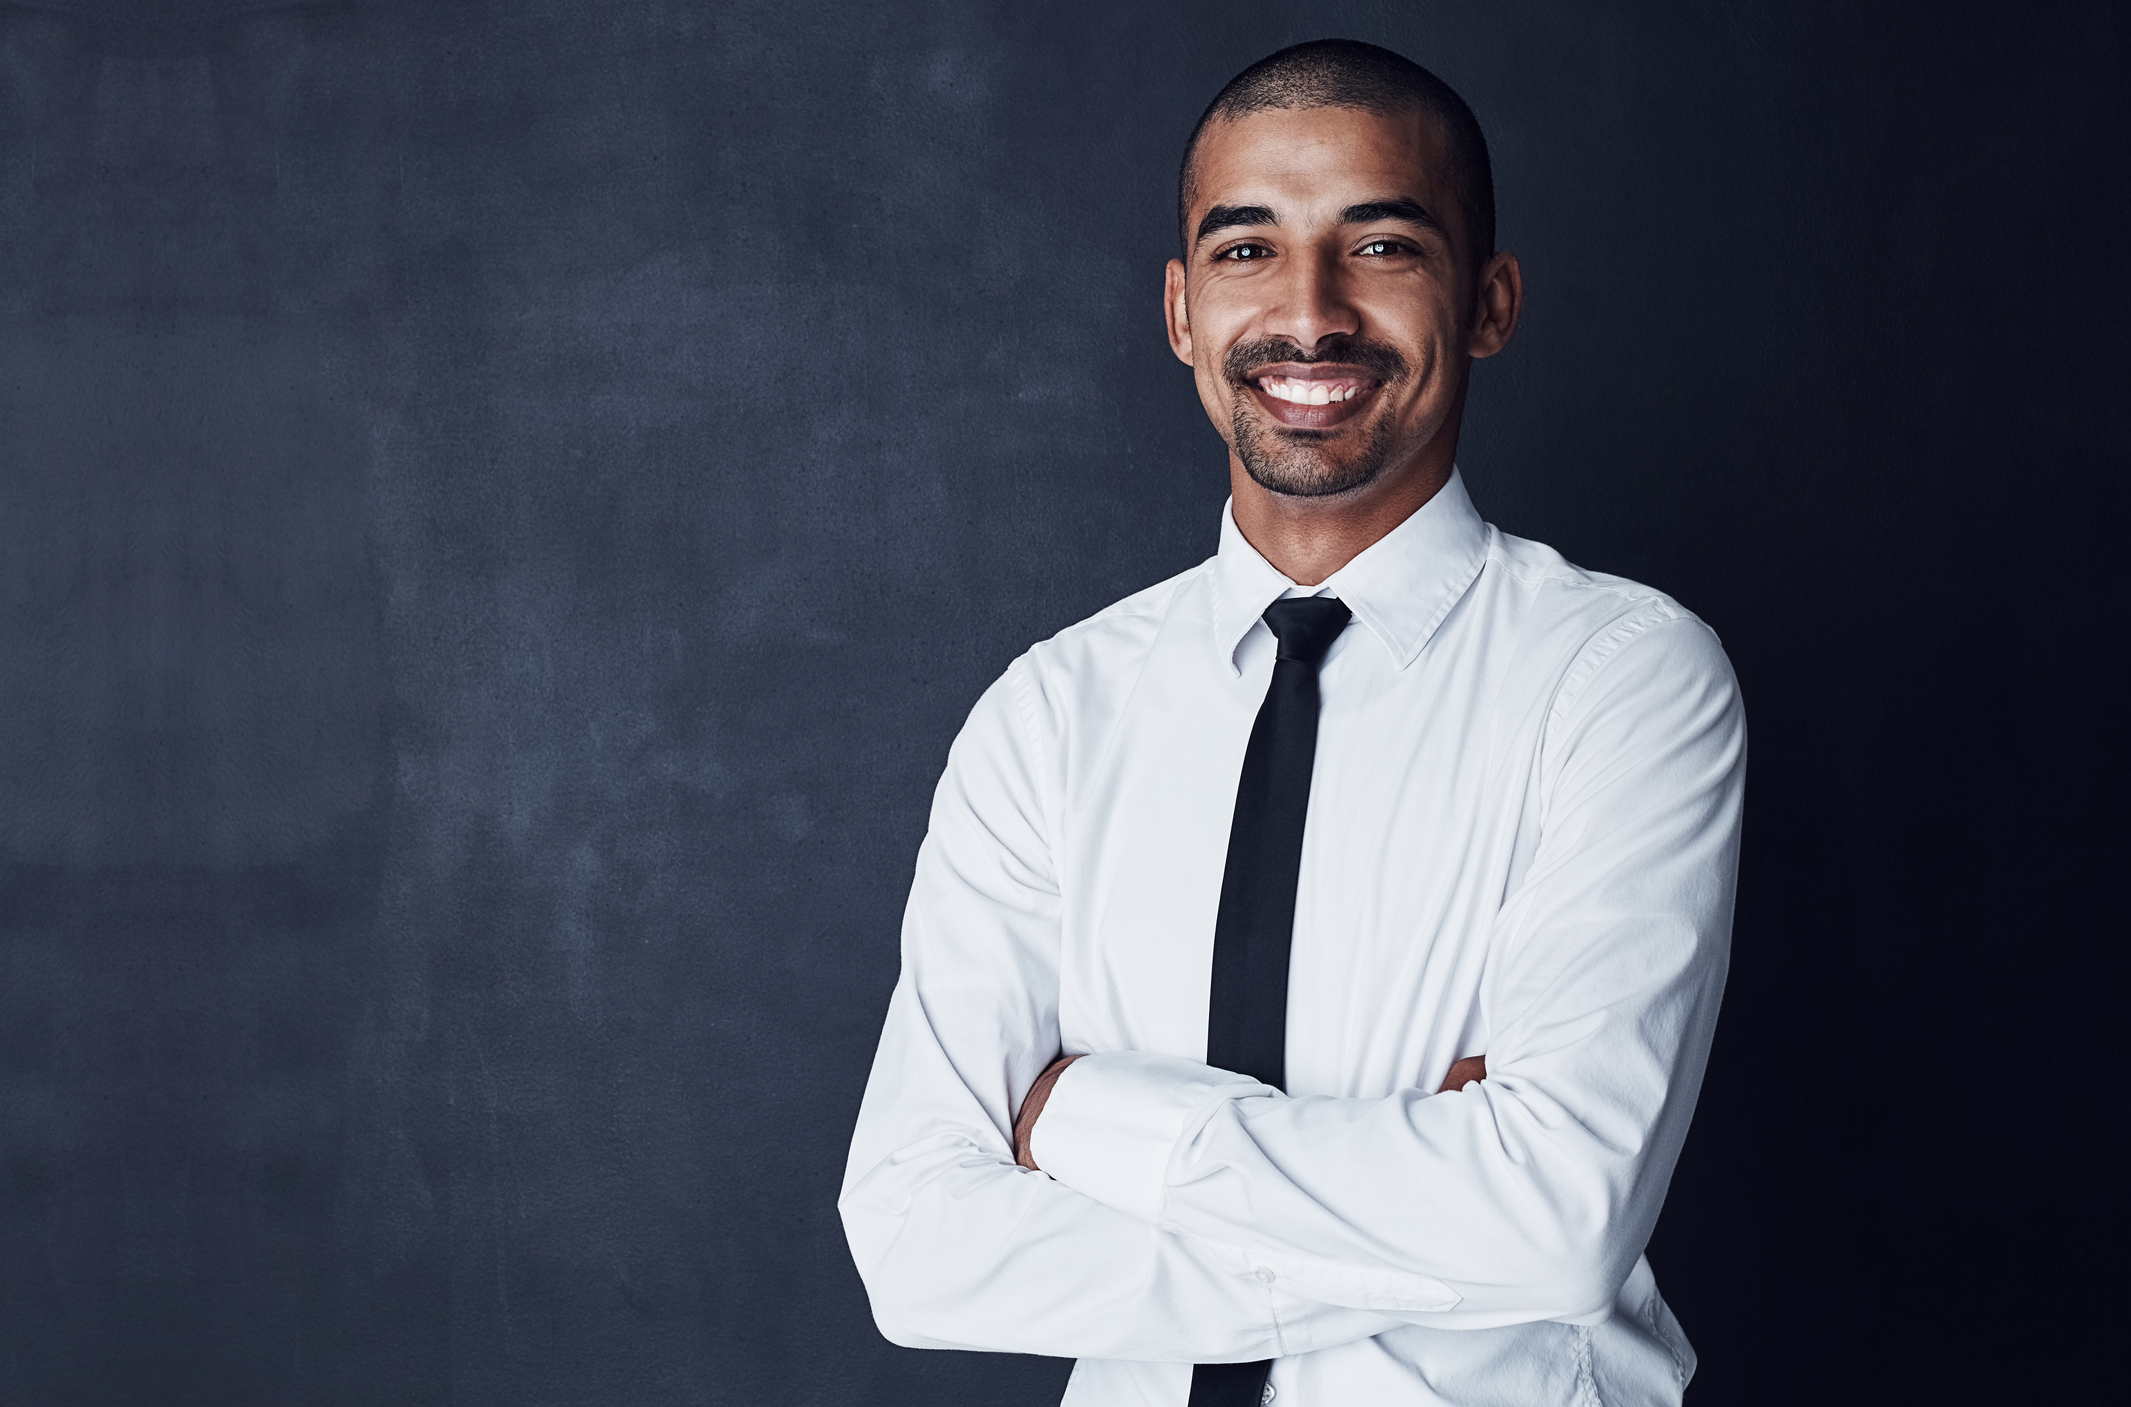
(1302, 464)
(1292, 480)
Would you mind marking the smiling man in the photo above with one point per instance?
(1312, 960)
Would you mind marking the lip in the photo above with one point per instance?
(1362, 384)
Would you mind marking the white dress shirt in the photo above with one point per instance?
(1522, 842)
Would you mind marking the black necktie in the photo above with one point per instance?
(1246, 1016)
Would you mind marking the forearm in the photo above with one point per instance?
(1492, 1205)
(961, 1248)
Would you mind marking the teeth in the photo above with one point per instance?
(1307, 392)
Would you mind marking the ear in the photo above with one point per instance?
(1498, 302)
(1179, 315)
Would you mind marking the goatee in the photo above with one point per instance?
(1296, 463)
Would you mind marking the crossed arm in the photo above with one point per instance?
(1462, 1073)
(1194, 1215)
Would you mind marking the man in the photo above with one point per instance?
(1379, 1108)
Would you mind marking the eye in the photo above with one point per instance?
(1245, 253)
(1385, 248)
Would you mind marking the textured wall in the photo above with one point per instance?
(502, 508)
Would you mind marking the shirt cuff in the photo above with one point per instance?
(1114, 1120)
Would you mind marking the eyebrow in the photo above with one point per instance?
(1399, 208)
(1228, 217)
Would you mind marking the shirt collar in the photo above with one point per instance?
(1401, 586)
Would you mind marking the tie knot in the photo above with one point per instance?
(1306, 626)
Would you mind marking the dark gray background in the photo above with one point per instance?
(502, 508)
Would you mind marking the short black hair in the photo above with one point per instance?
(1349, 73)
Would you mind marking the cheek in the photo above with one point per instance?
(1214, 390)
(1219, 320)
(1420, 335)
(1432, 348)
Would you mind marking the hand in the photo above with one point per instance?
(1025, 1121)
(1472, 1067)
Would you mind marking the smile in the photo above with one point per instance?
(1307, 396)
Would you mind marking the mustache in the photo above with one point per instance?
(1381, 361)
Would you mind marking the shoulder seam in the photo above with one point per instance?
(1025, 709)
(1575, 577)
(1604, 646)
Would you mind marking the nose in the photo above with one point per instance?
(1312, 303)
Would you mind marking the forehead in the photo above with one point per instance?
(1297, 159)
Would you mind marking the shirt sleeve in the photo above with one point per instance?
(1529, 1195)
(959, 1247)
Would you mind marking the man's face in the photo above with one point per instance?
(1327, 301)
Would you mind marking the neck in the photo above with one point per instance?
(1308, 539)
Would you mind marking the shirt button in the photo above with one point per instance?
(1267, 1276)
(1267, 1396)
